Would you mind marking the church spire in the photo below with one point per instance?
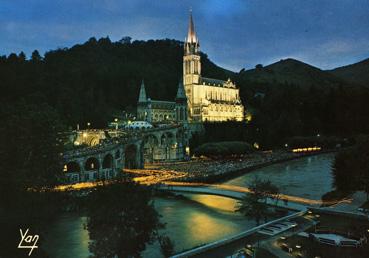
(142, 97)
(191, 35)
(181, 95)
(191, 45)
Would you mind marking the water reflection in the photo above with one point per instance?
(216, 202)
(197, 220)
(308, 177)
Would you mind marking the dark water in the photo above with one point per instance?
(308, 177)
(190, 222)
(201, 219)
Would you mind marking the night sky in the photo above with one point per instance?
(234, 33)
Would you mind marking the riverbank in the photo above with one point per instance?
(217, 171)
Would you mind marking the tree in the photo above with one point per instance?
(259, 66)
(22, 56)
(36, 57)
(255, 204)
(351, 168)
(166, 246)
(30, 160)
(30, 153)
(121, 220)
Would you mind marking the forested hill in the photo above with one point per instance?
(92, 82)
(357, 73)
(88, 81)
(291, 71)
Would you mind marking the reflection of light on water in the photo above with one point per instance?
(222, 203)
(309, 160)
(205, 228)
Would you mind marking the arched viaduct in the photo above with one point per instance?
(101, 154)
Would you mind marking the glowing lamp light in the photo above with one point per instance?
(188, 150)
(84, 135)
(115, 119)
(298, 246)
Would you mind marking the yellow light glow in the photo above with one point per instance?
(248, 117)
(188, 150)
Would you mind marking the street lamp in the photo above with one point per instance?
(88, 125)
(116, 123)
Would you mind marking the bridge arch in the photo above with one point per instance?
(93, 141)
(92, 163)
(131, 156)
(108, 161)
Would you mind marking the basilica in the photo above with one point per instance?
(198, 99)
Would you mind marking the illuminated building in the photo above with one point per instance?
(208, 99)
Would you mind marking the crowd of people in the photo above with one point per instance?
(205, 168)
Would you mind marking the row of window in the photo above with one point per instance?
(225, 96)
(192, 66)
(226, 108)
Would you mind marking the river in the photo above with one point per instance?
(308, 177)
(200, 219)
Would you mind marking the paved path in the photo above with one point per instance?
(357, 199)
(237, 192)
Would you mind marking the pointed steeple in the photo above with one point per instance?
(142, 97)
(181, 95)
(191, 35)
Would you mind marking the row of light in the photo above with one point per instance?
(315, 148)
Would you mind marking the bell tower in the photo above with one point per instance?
(191, 63)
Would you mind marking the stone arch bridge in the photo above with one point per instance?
(101, 154)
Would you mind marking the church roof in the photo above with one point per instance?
(216, 82)
(212, 81)
(160, 104)
(181, 92)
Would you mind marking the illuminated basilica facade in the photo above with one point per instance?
(208, 99)
(198, 99)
